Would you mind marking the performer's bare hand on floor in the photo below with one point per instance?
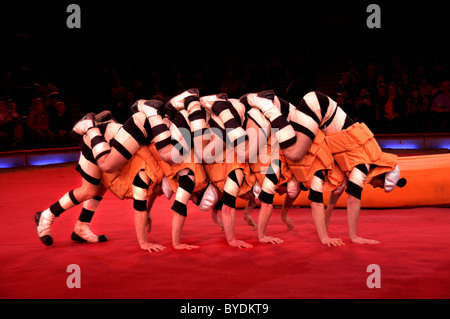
(360, 240)
(152, 247)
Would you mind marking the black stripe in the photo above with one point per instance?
(265, 197)
(315, 196)
(158, 129)
(85, 176)
(270, 174)
(73, 198)
(180, 208)
(233, 177)
(200, 196)
(219, 106)
(138, 182)
(196, 115)
(303, 107)
(244, 101)
(320, 175)
(180, 121)
(132, 129)
(362, 168)
(186, 183)
(161, 144)
(148, 130)
(229, 200)
(121, 149)
(98, 198)
(284, 107)
(87, 153)
(57, 209)
(348, 122)
(280, 122)
(97, 140)
(353, 189)
(267, 94)
(189, 99)
(328, 122)
(102, 154)
(102, 127)
(219, 205)
(178, 147)
(304, 130)
(140, 205)
(324, 103)
(232, 123)
(288, 143)
(86, 215)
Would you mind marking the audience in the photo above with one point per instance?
(38, 125)
(392, 94)
(61, 125)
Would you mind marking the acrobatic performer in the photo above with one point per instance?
(268, 163)
(230, 174)
(348, 141)
(187, 177)
(98, 154)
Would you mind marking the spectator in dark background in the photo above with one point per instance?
(393, 112)
(426, 89)
(11, 129)
(348, 108)
(441, 108)
(417, 111)
(38, 125)
(367, 110)
(61, 125)
(231, 85)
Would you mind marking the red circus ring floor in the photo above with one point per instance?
(413, 253)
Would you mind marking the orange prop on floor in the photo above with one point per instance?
(428, 184)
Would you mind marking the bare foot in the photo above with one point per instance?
(249, 220)
(288, 222)
(216, 219)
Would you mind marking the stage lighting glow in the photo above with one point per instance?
(47, 159)
(12, 161)
(401, 146)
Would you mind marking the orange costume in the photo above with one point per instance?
(318, 158)
(357, 145)
(218, 173)
(170, 171)
(120, 182)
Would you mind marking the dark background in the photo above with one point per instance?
(172, 37)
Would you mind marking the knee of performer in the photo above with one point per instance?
(107, 166)
(166, 154)
(297, 151)
(85, 193)
(294, 153)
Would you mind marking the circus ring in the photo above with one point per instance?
(412, 225)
